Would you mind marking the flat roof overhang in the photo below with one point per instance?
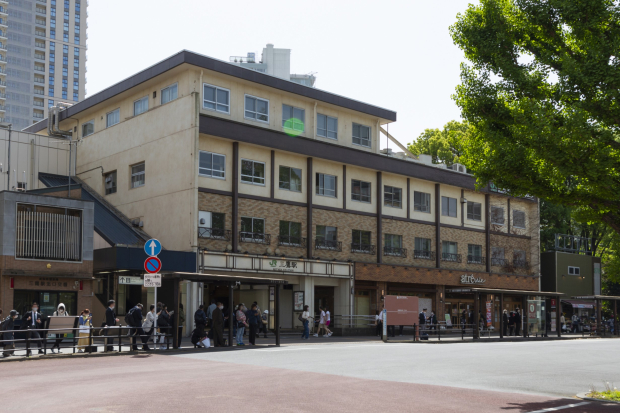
(500, 291)
(132, 259)
(228, 279)
(597, 297)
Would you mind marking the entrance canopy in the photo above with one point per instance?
(579, 303)
(231, 279)
(597, 297)
(500, 291)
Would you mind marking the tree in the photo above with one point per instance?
(445, 146)
(541, 96)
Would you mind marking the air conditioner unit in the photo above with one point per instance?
(387, 151)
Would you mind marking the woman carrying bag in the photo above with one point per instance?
(163, 323)
(85, 324)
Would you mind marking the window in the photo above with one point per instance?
(361, 135)
(212, 225)
(110, 182)
(137, 175)
(65, 71)
(212, 165)
(140, 106)
(52, 57)
(360, 191)
(449, 251)
(76, 39)
(76, 63)
(76, 85)
(65, 27)
(326, 126)
(326, 237)
(52, 34)
(393, 245)
(64, 94)
(216, 98)
(574, 271)
(51, 91)
(293, 118)
(76, 52)
(497, 215)
(65, 37)
(168, 94)
(52, 46)
(519, 255)
(497, 256)
(252, 230)
(256, 108)
(50, 103)
(423, 248)
(474, 211)
(112, 118)
(21, 186)
(76, 29)
(75, 96)
(326, 185)
(290, 178)
(474, 254)
(518, 219)
(252, 172)
(77, 18)
(361, 241)
(290, 233)
(88, 128)
(448, 206)
(392, 196)
(421, 202)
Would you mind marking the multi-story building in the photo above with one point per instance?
(42, 57)
(274, 62)
(266, 176)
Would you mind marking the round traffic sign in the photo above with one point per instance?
(152, 265)
(152, 247)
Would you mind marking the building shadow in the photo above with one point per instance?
(577, 406)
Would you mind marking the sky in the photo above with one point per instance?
(394, 54)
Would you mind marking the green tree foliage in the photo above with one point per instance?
(445, 146)
(541, 95)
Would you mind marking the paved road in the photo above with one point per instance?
(343, 377)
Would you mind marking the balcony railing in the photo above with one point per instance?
(3, 46)
(37, 115)
(39, 56)
(255, 237)
(39, 45)
(39, 104)
(41, 11)
(37, 80)
(3, 83)
(214, 233)
(40, 22)
(39, 69)
(291, 241)
(424, 254)
(2, 96)
(363, 248)
(38, 92)
(39, 33)
(500, 262)
(323, 244)
(446, 256)
(395, 251)
(521, 264)
(476, 259)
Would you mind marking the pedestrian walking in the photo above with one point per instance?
(518, 320)
(135, 321)
(321, 323)
(305, 319)
(8, 336)
(32, 321)
(328, 322)
(85, 324)
(379, 324)
(60, 312)
(110, 321)
(505, 323)
(148, 326)
(575, 324)
(422, 321)
(241, 324)
(218, 325)
(253, 321)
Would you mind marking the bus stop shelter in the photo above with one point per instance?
(598, 304)
(232, 281)
(476, 291)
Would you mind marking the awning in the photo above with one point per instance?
(579, 303)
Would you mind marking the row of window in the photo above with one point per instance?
(253, 172)
(293, 119)
(138, 178)
(139, 106)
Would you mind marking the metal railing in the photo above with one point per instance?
(353, 321)
(424, 254)
(395, 252)
(500, 262)
(291, 241)
(476, 259)
(446, 256)
(214, 233)
(255, 237)
(36, 80)
(521, 264)
(323, 244)
(39, 69)
(363, 248)
(40, 104)
(105, 335)
(38, 92)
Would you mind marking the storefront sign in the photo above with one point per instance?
(471, 279)
(298, 301)
(130, 280)
(285, 265)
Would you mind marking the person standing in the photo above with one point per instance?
(422, 321)
(163, 324)
(305, 319)
(253, 321)
(148, 326)
(218, 325)
(85, 324)
(562, 322)
(181, 323)
(200, 319)
(32, 321)
(575, 324)
(135, 322)
(8, 336)
(241, 324)
(379, 324)
(264, 322)
(511, 324)
(210, 309)
(505, 323)
(110, 321)
(60, 312)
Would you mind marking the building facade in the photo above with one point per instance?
(259, 175)
(42, 57)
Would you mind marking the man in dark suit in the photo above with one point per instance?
(518, 320)
(218, 326)
(422, 320)
(136, 330)
(32, 321)
(110, 321)
(200, 318)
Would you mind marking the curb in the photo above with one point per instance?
(584, 396)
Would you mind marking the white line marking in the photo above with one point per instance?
(554, 409)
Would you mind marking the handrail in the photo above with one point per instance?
(395, 251)
(476, 259)
(214, 233)
(446, 256)
(363, 248)
(291, 241)
(322, 244)
(423, 254)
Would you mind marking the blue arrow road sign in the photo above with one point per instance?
(152, 247)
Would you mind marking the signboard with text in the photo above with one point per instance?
(489, 313)
(401, 310)
(152, 280)
(129, 280)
